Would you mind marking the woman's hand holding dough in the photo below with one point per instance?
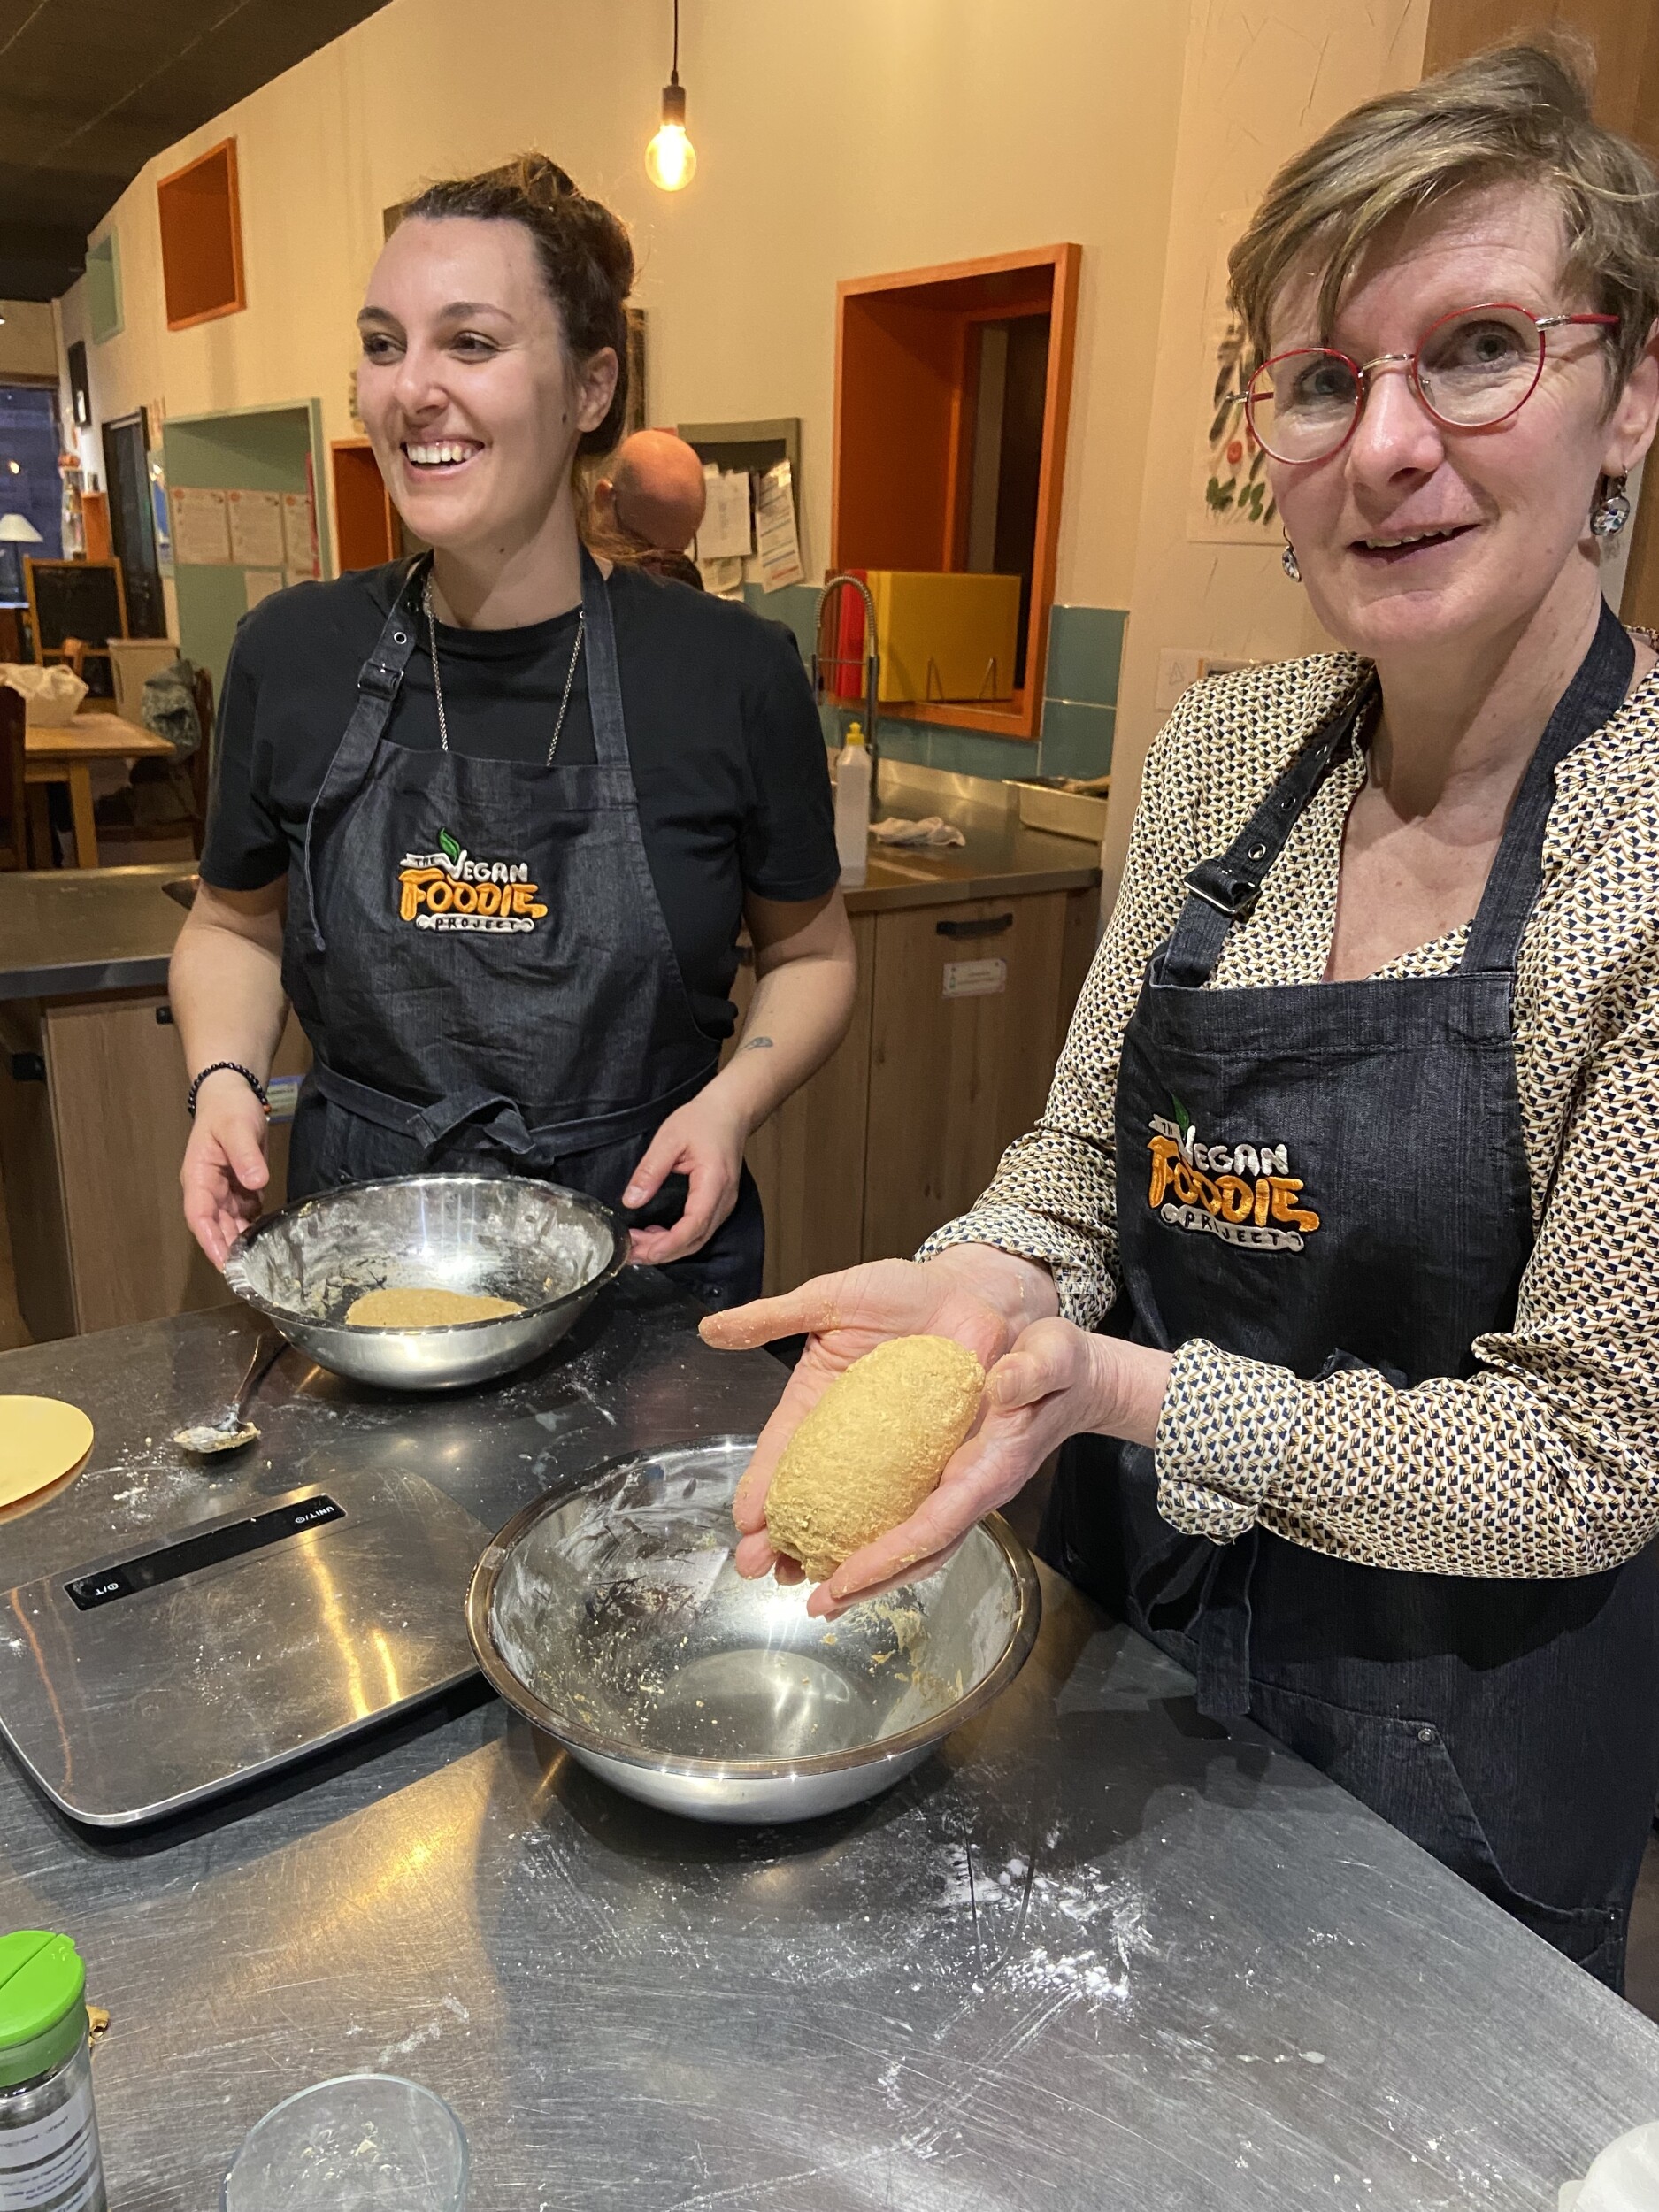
(224, 1168)
(1058, 1380)
(974, 1293)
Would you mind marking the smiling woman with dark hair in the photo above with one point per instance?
(492, 820)
(1334, 1257)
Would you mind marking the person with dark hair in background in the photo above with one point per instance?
(491, 820)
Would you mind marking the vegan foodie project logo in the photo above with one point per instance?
(448, 889)
(1244, 1193)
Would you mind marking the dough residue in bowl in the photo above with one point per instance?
(423, 1308)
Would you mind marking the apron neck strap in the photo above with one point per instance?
(604, 683)
(379, 681)
(1223, 891)
(1594, 697)
(382, 672)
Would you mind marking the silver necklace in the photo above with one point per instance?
(437, 680)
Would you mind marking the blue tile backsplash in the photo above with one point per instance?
(1076, 738)
(1079, 710)
(1085, 647)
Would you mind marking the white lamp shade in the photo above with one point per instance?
(18, 530)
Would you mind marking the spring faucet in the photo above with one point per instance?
(871, 663)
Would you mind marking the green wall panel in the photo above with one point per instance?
(255, 449)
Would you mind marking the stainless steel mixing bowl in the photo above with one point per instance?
(616, 1620)
(548, 1249)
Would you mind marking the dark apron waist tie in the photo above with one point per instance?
(500, 1118)
(1223, 1637)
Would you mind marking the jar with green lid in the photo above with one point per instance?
(49, 2132)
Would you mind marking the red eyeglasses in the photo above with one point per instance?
(1473, 368)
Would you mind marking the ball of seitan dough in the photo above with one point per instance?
(870, 1449)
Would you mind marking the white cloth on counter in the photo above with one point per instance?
(932, 830)
(1624, 2178)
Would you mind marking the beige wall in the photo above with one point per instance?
(835, 142)
(1259, 82)
(28, 341)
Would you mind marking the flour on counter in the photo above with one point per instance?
(1067, 1933)
(428, 2033)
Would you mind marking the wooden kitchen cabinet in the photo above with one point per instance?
(93, 1127)
(808, 1159)
(903, 1126)
(961, 1049)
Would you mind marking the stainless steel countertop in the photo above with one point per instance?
(1001, 859)
(1097, 1953)
(65, 930)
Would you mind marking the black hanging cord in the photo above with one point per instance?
(673, 75)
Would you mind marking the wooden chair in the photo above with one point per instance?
(14, 853)
(190, 791)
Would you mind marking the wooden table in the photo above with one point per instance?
(66, 755)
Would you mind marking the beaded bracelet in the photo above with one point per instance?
(236, 1068)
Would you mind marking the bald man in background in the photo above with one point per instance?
(649, 508)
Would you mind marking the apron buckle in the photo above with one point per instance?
(381, 681)
(1232, 896)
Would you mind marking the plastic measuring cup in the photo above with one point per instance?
(360, 2143)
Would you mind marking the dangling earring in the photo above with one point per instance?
(1611, 510)
(1289, 562)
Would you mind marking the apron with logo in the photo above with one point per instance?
(1333, 1175)
(478, 954)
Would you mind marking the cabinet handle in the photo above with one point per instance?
(164, 1016)
(993, 925)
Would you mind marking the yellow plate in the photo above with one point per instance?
(41, 1440)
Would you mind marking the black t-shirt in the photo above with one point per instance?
(724, 741)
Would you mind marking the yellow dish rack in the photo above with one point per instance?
(945, 637)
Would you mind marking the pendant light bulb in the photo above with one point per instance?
(671, 159)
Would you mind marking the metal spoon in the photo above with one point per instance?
(234, 1429)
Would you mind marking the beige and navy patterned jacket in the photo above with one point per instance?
(1545, 1461)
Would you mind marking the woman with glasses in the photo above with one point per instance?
(1333, 1263)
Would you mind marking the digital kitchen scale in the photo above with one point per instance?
(142, 1682)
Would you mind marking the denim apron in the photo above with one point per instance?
(477, 952)
(1333, 1175)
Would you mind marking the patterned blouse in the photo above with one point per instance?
(1545, 1461)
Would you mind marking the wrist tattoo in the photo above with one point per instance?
(756, 1044)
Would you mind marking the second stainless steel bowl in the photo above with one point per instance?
(615, 1621)
(548, 1249)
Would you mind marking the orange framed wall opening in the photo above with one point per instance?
(906, 408)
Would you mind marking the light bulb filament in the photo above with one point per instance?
(671, 159)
